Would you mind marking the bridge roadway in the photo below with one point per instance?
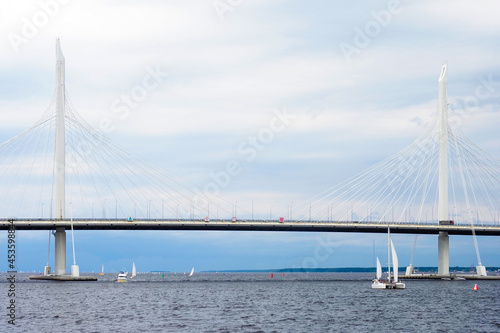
(250, 225)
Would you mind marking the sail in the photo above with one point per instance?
(134, 272)
(379, 270)
(395, 267)
(102, 268)
(192, 272)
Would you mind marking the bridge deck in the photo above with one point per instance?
(250, 225)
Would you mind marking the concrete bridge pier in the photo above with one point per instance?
(443, 253)
(60, 236)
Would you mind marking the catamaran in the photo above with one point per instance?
(394, 284)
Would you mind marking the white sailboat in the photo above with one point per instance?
(395, 283)
(102, 272)
(192, 272)
(377, 283)
(134, 272)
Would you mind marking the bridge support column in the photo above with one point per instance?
(443, 253)
(60, 251)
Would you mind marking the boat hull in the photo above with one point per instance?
(376, 284)
(399, 285)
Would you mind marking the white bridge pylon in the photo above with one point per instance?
(443, 215)
(60, 163)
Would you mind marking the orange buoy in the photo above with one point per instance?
(475, 288)
(272, 275)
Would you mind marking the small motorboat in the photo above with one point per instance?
(122, 277)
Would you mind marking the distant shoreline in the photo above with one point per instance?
(422, 269)
(345, 270)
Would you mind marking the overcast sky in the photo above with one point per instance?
(358, 81)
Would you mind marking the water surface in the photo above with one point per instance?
(253, 302)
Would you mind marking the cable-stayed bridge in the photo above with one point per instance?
(63, 174)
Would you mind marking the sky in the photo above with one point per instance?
(187, 84)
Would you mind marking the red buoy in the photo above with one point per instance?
(283, 273)
(475, 288)
(272, 275)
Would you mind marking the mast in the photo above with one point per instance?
(389, 254)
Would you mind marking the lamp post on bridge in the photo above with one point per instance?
(149, 209)
(104, 209)
(310, 211)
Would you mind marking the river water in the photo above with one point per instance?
(251, 302)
